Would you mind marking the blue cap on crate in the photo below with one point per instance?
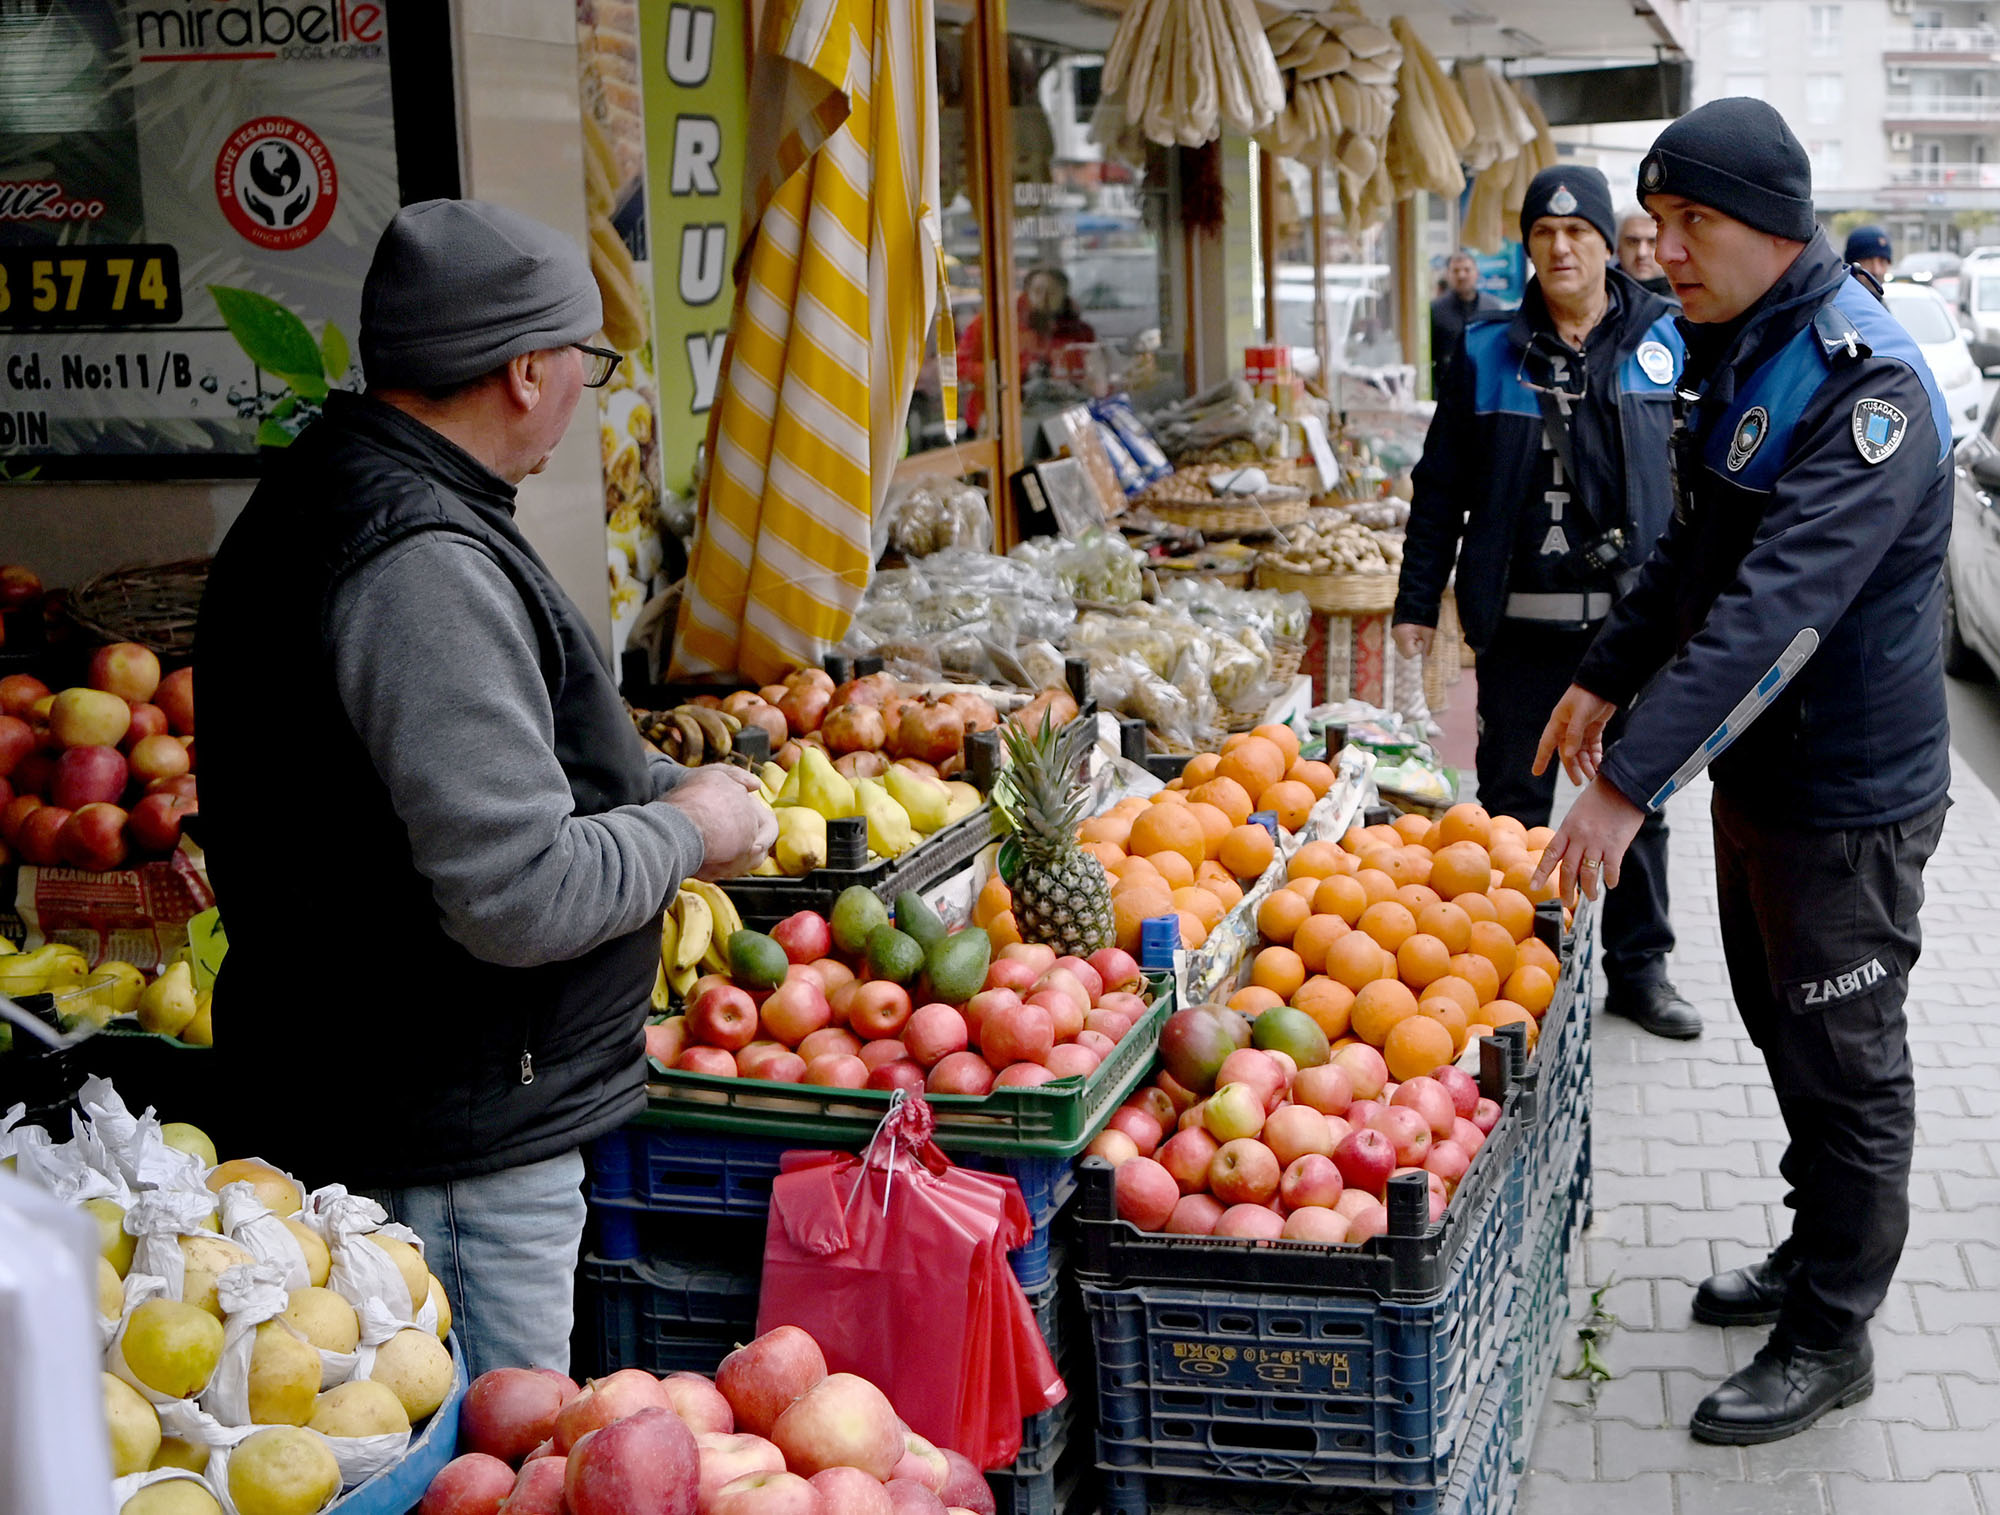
(1159, 940)
(1268, 819)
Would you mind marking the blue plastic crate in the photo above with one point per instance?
(397, 1489)
(1541, 1310)
(1060, 1479)
(1482, 1482)
(662, 1314)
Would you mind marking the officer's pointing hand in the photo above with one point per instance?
(1590, 845)
(1576, 730)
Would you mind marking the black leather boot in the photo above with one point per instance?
(1784, 1390)
(1745, 1296)
(1656, 1007)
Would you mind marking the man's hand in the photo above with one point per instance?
(1591, 843)
(736, 831)
(1576, 730)
(1413, 640)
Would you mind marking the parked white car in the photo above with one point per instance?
(1927, 318)
(1979, 304)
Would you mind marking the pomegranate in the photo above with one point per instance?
(931, 732)
(854, 728)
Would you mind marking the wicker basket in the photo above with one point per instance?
(1286, 655)
(1267, 512)
(1350, 594)
(154, 605)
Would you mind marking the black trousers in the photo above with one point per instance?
(1820, 932)
(1521, 677)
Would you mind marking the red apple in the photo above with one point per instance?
(89, 718)
(1467, 1136)
(125, 669)
(1065, 1020)
(1312, 1179)
(1371, 1221)
(1292, 1131)
(967, 1488)
(1097, 1042)
(1186, 1155)
(89, 776)
(961, 1073)
(13, 814)
(768, 1494)
(1071, 1060)
(607, 1399)
(1037, 956)
(1194, 1215)
(20, 587)
(1011, 973)
(984, 1003)
(1146, 1193)
(1352, 1202)
(1314, 1223)
(922, 1463)
(1337, 1131)
(908, 1497)
(832, 974)
(1408, 1132)
(1431, 1100)
(1460, 1085)
(879, 1008)
(1109, 1024)
(1022, 1076)
(698, 1402)
(1079, 969)
(1448, 1160)
(539, 1489)
(874, 1054)
(1178, 1094)
(1141, 1125)
(1115, 1147)
(1366, 1159)
(1234, 1111)
(1131, 1006)
(184, 787)
(843, 1420)
(665, 1040)
(176, 696)
(900, 1073)
(749, 1059)
(566, 1386)
(1366, 1071)
(644, 1464)
(155, 822)
(763, 1378)
(711, 1060)
(1060, 979)
(147, 720)
(836, 1070)
(830, 1041)
(1244, 1172)
(17, 740)
(934, 1032)
(796, 1009)
(1485, 1115)
(1361, 1114)
(20, 693)
(1326, 1088)
(35, 836)
(473, 1484)
(805, 936)
(728, 1457)
(1116, 969)
(724, 1017)
(1246, 1220)
(849, 1491)
(1016, 1034)
(507, 1412)
(1259, 1070)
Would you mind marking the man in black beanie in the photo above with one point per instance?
(1544, 478)
(1787, 630)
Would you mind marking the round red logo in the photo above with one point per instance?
(276, 183)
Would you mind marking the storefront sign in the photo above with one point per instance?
(190, 191)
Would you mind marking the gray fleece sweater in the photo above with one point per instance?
(440, 678)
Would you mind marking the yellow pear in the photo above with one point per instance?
(416, 1368)
(284, 1377)
(890, 833)
(823, 787)
(200, 1029)
(443, 1302)
(135, 1428)
(283, 1470)
(178, 1496)
(118, 984)
(319, 1262)
(275, 1192)
(323, 1318)
(112, 1241)
(924, 799)
(172, 1348)
(964, 799)
(178, 1453)
(167, 1004)
(192, 1140)
(410, 1263)
(110, 1290)
(362, 1407)
(204, 1259)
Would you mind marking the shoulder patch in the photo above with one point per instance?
(1748, 437)
(1878, 429)
(1655, 361)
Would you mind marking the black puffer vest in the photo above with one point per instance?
(364, 1045)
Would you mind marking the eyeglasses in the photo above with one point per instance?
(602, 365)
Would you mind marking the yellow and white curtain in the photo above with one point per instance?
(836, 285)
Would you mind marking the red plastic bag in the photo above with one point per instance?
(896, 1263)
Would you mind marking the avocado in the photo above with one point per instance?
(917, 919)
(894, 955)
(956, 965)
(856, 913)
(756, 961)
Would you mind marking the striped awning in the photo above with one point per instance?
(836, 284)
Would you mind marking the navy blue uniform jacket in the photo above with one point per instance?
(1788, 625)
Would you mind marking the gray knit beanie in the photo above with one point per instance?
(458, 287)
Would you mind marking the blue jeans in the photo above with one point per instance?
(504, 1246)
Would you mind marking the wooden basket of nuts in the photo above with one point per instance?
(1341, 593)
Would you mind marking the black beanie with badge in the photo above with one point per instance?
(1735, 155)
(1570, 189)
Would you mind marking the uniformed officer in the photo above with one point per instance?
(1545, 476)
(1868, 250)
(1787, 630)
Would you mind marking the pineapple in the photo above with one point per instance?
(1061, 894)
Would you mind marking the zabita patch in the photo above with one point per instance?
(1748, 437)
(1878, 429)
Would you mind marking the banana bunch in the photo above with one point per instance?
(694, 939)
(689, 734)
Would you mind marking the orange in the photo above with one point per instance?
(1168, 828)
(1129, 907)
(1376, 885)
(1226, 795)
(1422, 960)
(1193, 933)
(1232, 742)
(1549, 891)
(1466, 823)
(1477, 907)
(1538, 837)
(1434, 838)
(1315, 940)
(1448, 1013)
(995, 898)
(1214, 825)
(1200, 769)
(1293, 802)
(1174, 868)
(1415, 1045)
(1328, 1003)
(1341, 896)
(1378, 1006)
(1314, 860)
(1005, 932)
(1512, 910)
(1225, 889)
(1115, 829)
(1457, 990)
(1131, 805)
(1506, 852)
(1416, 898)
(1246, 851)
(1104, 852)
(1519, 872)
(1448, 923)
(1316, 776)
(1389, 923)
(1382, 835)
(1304, 888)
(1278, 969)
(1280, 916)
(1411, 828)
(1254, 1000)
(1257, 764)
(1281, 736)
(1353, 959)
(1199, 902)
(1171, 795)
(1382, 859)
(1502, 1012)
(1172, 785)
(1134, 870)
(1352, 839)
(1349, 863)
(1461, 868)
(1531, 988)
(1479, 972)
(1417, 864)
(1491, 941)
(1535, 953)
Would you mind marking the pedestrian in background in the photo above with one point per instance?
(1868, 250)
(1456, 304)
(1636, 236)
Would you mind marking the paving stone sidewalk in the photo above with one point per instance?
(1687, 1138)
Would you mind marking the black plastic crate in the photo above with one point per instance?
(763, 902)
(1548, 1266)
(1060, 1479)
(663, 1315)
